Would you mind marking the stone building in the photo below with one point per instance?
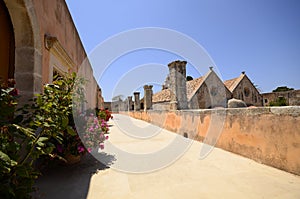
(292, 97)
(207, 91)
(242, 88)
(39, 39)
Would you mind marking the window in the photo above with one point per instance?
(266, 100)
(246, 91)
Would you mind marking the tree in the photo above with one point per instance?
(282, 89)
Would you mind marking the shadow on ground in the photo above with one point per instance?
(71, 181)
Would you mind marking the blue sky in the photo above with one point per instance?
(261, 37)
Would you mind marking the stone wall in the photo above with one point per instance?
(247, 92)
(292, 97)
(267, 135)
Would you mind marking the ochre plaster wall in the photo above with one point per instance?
(267, 135)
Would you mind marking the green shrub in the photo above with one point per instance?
(33, 132)
(280, 101)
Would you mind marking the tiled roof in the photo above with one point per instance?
(162, 96)
(232, 83)
(193, 85)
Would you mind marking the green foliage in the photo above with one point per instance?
(280, 101)
(104, 114)
(282, 89)
(17, 145)
(33, 131)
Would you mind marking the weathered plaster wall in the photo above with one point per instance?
(267, 135)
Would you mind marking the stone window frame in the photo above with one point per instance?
(60, 61)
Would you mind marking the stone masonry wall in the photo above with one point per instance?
(267, 135)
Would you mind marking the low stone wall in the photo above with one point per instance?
(267, 135)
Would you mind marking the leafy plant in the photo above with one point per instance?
(104, 114)
(19, 148)
(280, 101)
(34, 131)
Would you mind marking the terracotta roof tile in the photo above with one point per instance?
(162, 96)
(232, 83)
(193, 85)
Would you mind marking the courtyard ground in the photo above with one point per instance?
(155, 175)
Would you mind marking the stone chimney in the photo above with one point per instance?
(130, 103)
(137, 104)
(147, 97)
(177, 83)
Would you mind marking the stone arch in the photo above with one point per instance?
(28, 47)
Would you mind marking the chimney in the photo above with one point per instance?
(137, 104)
(130, 103)
(148, 97)
(177, 83)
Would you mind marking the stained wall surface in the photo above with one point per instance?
(267, 135)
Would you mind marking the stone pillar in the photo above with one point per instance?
(130, 103)
(147, 97)
(137, 103)
(177, 75)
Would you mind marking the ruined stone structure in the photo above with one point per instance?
(292, 97)
(38, 40)
(242, 88)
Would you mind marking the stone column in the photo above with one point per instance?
(177, 75)
(147, 97)
(129, 103)
(137, 104)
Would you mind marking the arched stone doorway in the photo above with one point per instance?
(28, 56)
(7, 45)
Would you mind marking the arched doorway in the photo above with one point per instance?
(7, 45)
(28, 47)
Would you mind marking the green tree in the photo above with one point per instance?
(282, 89)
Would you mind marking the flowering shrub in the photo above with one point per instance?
(95, 133)
(105, 115)
(23, 140)
(45, 128)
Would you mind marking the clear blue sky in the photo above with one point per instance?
(261, 37)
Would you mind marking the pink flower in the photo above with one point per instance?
(89, 150)
(106, 137)
(101, 146)
(80, 149)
